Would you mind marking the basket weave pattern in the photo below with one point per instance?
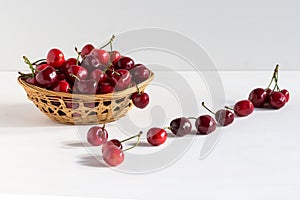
(69, 108)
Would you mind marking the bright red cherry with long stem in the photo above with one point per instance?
(140, 99)
(180, 126)
(205, 124)
(224, 116)
(97, 135)
(258, 97)
(243, 108)
(277, 100)
(86, 49)
(55, 58)
(156, 136)
(46, 77)
(114, 57)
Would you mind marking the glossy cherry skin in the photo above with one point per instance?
(67, 64)
(78, 71)
(224, 117)
(205, 124)
(40, 67)
(140, 100)
(91, 62)
(97, 135)
(99, 76)
(268, 91)
(102, 55)
(113, 142)
(86, 49)
(258, 97)
(286, 93)
(55, 58)
(181, 126)
(121, 79)
(156, 136)
(62, 86)
(114, 57)
(277, 100)
(243, 108)
(105, 88)
(125, 63)
(140, 73)
(113, 156)
(47, 77)
(86, 86)
(31, 80)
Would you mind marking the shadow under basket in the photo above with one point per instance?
(67, 108)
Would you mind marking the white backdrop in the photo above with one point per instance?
(237, 34)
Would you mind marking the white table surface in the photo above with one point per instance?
(257, 157)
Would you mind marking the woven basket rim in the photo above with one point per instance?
(112, 95)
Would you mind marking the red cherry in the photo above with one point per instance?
(55, 58)
(181, 126)
(67, 64)
(31, 80)
(113, 156)
(156, 136)
(114, 57)
(105, 88)
(40, 67)
(121, 79)
(258, 97)
(99, 76)
(140, 100)
(91, 62)
(86, 86)
(277, 100)
(140, 73)
(268, 91)
(61, 76)
(102, 55)
(72, 105)
(86, 49)
(113, 142)
(125, 63)
(47, 77)
(78, 71)
(97, 135)
(243, 108)
(62, 86)
(286, 93)
(224, 117)
(205, 124)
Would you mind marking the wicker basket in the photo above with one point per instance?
(82, 109)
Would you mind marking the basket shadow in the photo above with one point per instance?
(23, 115)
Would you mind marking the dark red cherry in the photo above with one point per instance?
(125, 63)
(113, 142)
(31, 80)
(181, 126)
(102, 55)
(224, 117)
(268, 91)
(55, 58)
(258, 97)
(40, 67)
(277, 100)
(99, 76)
(286, 93)
(140, 73)
(105, 88)
(205, 124)
(97, 135)
(61, 76)
(67, 64)
(86, 86)
(62, 86)
(140, 100)
(243, 108)
(114, 57)
(121, 79)
(76, 71)
(156, 136)
(86, 49)
(91, 62)
(46, 77)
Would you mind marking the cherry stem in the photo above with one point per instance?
(208, 108)
(26, 60)
(78, 55)
(24, 75)
(138, 89)
(108, 66)
(103, 127)
(109, 42)
(138, 135)
(40, 60)
(137, 142)
(229, 108)
(73, 75)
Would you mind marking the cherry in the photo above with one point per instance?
(181, 126)
(86, 86)
(286, 93)
(99, 76)
(76, 71)
(40, 67)
(121, 79)
(113, 142)
(46, 77)
(91, 62)
(105, 88)
(268, 91)
(114, 57)
(67, 64)
(31, 80)
(55, 58)
(205, 124)
(72, 105)
(156, 136)
(102, 55)
(140, 73)
(62, 86)
(86, 49)
(277, 100)
(243, 108)
(61, 76)
(258, 97)
(113, 156)
(125, 63)
(140, 99)
(223, 117)
(97, 135)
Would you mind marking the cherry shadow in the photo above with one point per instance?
(75, 144)
(91, 161)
